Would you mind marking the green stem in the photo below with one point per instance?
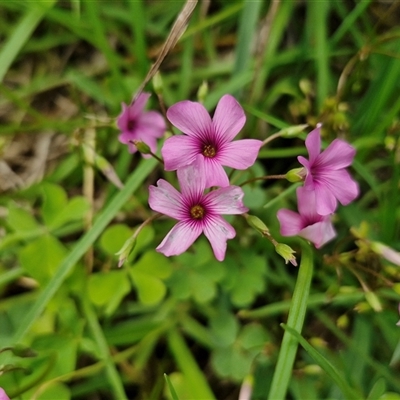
(98, 335)
(297, 312)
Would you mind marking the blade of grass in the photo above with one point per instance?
(171, 388)
(318, 22)
(297, 312)
(188, 366)
(112, 373)
(133, 183)
(347, 391)
(21, 34)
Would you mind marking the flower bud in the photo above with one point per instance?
(292, 131)
(126, 249)
(286, 252)
(158, 83)
(142, 147)
(22, 351)
(386, 252)
(257, 224)
(373, 301)
(295, 175)
(202, 92)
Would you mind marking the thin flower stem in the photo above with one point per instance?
(160, 160)
(263, 178)
(271, 138)
(164, 111)
(297, 312)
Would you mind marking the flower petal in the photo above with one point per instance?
(291, 223)
(218, 231)
(137, 106)
(306, 204)
(240, 154)
(179, 151)
(337, 155)
(179, 238)
(123, 118)
(227, 200)
(319, 233)
(215, 173)
(325, 200)
(228, 119)
(313, 144)
(190, 117)
(192, 180)
(341, 185)
(152, 122)
(165, 199)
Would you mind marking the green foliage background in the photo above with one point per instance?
(100, 332)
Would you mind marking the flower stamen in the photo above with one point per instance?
(197, 212)
(209, 151)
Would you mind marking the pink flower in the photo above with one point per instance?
(196, 212)
(3, 395)
(136, 124)
(211, 138)
(316, 228)
(326, 173)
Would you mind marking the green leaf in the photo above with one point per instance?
(377, 390)
(56, 390)
(232, 362)
(20, 219)
(75, 210)
(55, 200)
(154, 264)
(114, 237)
(151, 290)
(41, 257)
(224, 327)
(104, 286)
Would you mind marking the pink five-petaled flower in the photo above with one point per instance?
(196, 212)
(137, 124)
(326, 173)
(210, 138)
(316, 228)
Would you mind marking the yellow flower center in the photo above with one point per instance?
(209, 151)
(197, 212)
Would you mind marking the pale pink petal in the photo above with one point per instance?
(179, 151)
(341, 185)
(218, 231)
(192, 179)
(229, 118)
(215, 173)
(227, 200)
(337, 155)
(325, 200)
(137, 106)
(165, 199)
(319, 233)
(179, 238)
(306, 205)
(153, 122)
(190, 117)
(3, 394)
(313, 144)
(240, 154)
(291, 223)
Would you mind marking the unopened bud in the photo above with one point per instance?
(107, 169)
(343, 321)
(257, 224)
(312, 369)
(373, 301)
(23, 351)
(158, 83)
(202, 92)
(295, 175)
(292, 131)
(126, 249)
(286, 252)
(142, 147)
(386, 252)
